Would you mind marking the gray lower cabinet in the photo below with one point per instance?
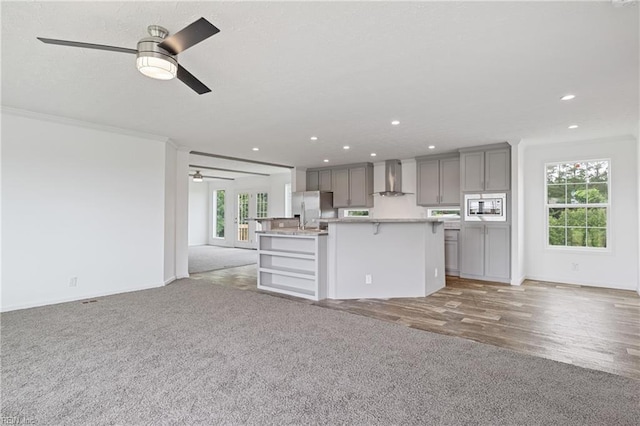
(488, 170)
(438, 181)
(451, 252)
(485, 252)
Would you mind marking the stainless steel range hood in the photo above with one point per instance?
(392, 179)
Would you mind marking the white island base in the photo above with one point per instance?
(384, 258)
(293, 263)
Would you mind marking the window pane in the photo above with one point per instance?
(557, 236)
(576, 217)
(220, 214)
(262, 204)
(557, 217)
(555, 174)
(576, 172)
(556, 194)
(597, 237)
(577, 193)
(598, 171)
(576, 237)
(597, 193)
(597, 217)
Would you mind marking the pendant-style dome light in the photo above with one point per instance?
(197, 177)
(153, 61)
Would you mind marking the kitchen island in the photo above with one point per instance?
(384, 258)
(354, 258)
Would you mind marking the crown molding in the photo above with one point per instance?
(86, 124)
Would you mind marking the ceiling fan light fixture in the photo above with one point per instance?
(155, 67)
(197, 177)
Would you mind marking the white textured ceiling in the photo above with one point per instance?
(454, 73)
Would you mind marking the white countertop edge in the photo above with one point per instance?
(381, 220)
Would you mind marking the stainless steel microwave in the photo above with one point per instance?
(485, 207)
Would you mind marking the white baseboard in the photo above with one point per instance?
(170, 280)
(75, 298)
(518, 281)
(582, 283)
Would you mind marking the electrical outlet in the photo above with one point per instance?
(281, 225)
(73, 282)
(435, 274)
(367, 279)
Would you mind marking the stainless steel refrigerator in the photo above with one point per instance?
(309, 206)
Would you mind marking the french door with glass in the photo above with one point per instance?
(249, 204)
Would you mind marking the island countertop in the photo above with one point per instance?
(382, 220)
(293, 231)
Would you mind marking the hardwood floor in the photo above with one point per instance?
(585, 326)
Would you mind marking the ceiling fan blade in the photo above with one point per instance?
(187, 78)
(188, 36)
(87, 45)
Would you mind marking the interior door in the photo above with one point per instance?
(249, 204)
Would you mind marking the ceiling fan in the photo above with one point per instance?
(157, 55)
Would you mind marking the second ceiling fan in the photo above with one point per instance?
(157, 55)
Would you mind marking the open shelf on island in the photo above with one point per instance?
(290, 253)
(293, 264)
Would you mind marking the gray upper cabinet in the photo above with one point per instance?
(450, 180)
(319, 180)
(497, 170)
(438, 181)
(340, 185)
(324, 180)
(312, 180)
(351, 185)
(428, 182)
(472, 171)
(361, 186)
(488, 170)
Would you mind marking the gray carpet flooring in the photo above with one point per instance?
(198, 353)
(211, 258)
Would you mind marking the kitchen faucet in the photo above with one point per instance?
(302, 219)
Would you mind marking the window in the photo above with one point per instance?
(356, 213)
(287, 200)
(262, 207)
(577, 203)
(218, 214)
(450, 213)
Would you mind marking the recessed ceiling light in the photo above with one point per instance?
(567, 97)
(314, 138)
(431, 147)
(373, 154)
(325, 160)
(346, 147)
(395, 122)
(573, 126)
(256, 149)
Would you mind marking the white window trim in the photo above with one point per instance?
(608, 206)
